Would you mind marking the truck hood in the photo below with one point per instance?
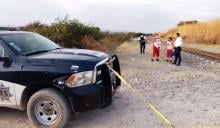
(84, 59)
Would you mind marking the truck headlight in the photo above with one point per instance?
(79, 79)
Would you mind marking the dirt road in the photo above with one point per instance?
(188, 95)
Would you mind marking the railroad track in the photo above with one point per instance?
(202, 53)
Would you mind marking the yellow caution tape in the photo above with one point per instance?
(141, 97)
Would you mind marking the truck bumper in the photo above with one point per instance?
(86, 97)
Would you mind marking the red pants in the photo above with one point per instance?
(169, 53)
(156, 52)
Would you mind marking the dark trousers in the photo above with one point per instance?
(177, 55)
(142, 48)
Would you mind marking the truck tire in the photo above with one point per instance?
(48, 108)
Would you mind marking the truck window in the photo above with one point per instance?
(29, 43)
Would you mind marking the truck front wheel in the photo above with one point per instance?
(48, 108)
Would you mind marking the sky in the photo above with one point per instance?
(110, 15)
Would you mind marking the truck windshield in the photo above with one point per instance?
(29, 43)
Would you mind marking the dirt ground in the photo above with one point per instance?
(189, 95)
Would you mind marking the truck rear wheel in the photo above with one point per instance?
(48, 108)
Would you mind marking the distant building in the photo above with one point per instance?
(187, 22)
(144, 34)
(10, 28)
(149, 34)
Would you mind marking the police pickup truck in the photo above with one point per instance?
(51, 82)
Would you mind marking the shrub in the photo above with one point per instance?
(72, 33)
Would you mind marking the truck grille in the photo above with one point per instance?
(105, 78)
(100, 69)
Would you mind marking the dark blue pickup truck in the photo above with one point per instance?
(52, 82)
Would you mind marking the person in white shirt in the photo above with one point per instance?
(178, 48)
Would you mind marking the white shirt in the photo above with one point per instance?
(178, 42)
(169, 44)
(157, 42)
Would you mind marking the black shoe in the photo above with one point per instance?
(178, 65)
(167, 60)
(152, 60)
(157, 60)
(174, 63)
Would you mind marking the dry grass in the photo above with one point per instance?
(112, 40)
(127, 47)
(89, 42)
(110, 43)
(204, 33)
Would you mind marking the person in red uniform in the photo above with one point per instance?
(156, 47)
(169, 49)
